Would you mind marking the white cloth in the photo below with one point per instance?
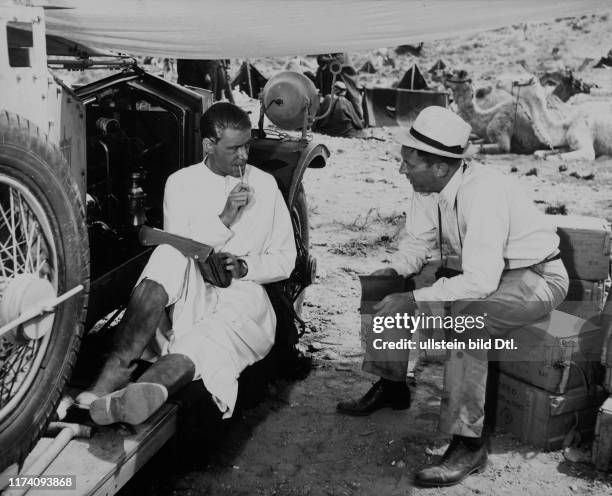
(217, 29)
(222, 330)
(491, 216)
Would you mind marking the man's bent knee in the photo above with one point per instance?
(168, 267)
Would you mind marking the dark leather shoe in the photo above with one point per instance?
(383, 394)
(456, 464)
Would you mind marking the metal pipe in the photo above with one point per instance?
(39, 465)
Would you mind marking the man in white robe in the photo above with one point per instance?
(216, 332)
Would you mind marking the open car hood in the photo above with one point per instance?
(213, 29)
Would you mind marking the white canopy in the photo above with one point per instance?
(212, 29)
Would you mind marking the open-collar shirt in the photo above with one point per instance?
(488, 220)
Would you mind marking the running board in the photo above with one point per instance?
(104, 463)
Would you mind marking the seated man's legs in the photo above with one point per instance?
(161, 284)
(390, 390)
(138, 401)
(523, 297)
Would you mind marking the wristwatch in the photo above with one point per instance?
(244, 267)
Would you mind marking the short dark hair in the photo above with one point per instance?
(432, 158)
(221, 116)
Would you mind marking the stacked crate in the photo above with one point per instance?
(556, 392)
(602, 446)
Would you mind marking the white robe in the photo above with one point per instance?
(222, 330)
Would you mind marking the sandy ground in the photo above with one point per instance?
(295, 443)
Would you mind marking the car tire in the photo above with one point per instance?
(299, 212)
(37, 189)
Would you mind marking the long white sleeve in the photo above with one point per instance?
(178, 215)
(500, 228)
(418, 237)
(277, 260)
(487, 219)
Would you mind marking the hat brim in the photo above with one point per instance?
(403, 137)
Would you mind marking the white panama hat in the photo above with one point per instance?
(439, 131)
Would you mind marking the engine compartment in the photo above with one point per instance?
(132, 147)
(139, 129)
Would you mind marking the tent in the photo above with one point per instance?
(217, 29)
(604, 62)
(437, 67)
(368, 67)
(249, 80)
(413, 80)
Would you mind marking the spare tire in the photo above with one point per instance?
(42, 234)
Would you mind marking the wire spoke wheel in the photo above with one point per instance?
(26, 247)
(44, 253)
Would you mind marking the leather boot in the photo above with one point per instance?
(138, 401)
(383, 394)
(464, 456)
(137, 328)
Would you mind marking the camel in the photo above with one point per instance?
(505, 125)
(586, 129)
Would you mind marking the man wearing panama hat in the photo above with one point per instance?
(511, 275)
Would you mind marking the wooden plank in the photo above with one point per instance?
(107, 461)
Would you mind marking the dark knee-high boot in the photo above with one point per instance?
(137, 328)
(138, 401)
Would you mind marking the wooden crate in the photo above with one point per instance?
(585, 299)
(602, 444)
(543, 419)
(547, 349)
(584, 245)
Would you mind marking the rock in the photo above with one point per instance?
(400, 464)
(369, 180)
(315, 346)
(575, 455)
(330, 355)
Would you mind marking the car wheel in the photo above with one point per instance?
(44, 253)
(299, 214)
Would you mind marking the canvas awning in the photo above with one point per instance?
(210, 29)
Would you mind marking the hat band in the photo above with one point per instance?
(457, 149)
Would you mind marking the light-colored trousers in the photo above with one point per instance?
(523, 297)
